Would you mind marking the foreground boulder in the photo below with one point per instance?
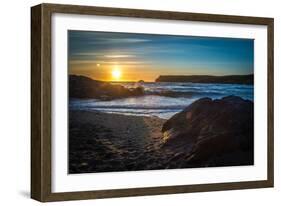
(212, 133)
(84, 87)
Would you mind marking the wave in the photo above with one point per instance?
(169, 93)
(140, 107)
(189, 90)
(162, 99)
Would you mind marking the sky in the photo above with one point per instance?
(111, 56)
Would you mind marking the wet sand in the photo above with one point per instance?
(102, 142)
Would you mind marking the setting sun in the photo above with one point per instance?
(116, 73)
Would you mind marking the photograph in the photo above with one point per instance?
(153, 102)
(133, 102)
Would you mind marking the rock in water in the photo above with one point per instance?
(213, 132)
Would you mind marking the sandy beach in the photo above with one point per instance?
(202, 135)
(102, 142)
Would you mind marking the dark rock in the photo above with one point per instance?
(217, 132)
(85, 87)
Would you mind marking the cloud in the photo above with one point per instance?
(119, 56)
(118, 40)
(87, 54)
(102, 62)
(104, 54)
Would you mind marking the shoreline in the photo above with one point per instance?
(98, 112)
(201, 135)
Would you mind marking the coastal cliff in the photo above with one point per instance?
(230, 79)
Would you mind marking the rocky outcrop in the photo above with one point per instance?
(229, 79)
(212, 133)
(84, 87)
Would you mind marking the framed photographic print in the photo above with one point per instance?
(130, 102)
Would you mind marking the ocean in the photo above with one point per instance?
(162, 99)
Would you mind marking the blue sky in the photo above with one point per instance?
(146, 56)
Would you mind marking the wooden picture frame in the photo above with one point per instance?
(41, 116)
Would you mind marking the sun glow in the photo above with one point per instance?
(116, 73)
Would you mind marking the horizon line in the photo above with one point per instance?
(159, 76)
